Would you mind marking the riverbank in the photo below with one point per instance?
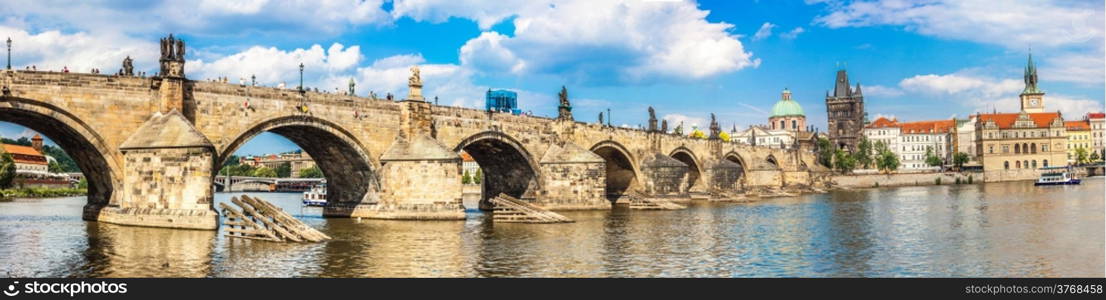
(905, 179)
(40, 192)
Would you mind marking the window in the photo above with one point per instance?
(991, 149)
(794, 124)
(1044, 148)
(1045, 163)
(1034, 163)
(1025, 164)
(1018, 164)
(1005, 148)
(1006, 165)
(1017, 149)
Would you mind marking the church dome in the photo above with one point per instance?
(787, 107)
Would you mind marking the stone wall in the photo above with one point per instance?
(884, 180)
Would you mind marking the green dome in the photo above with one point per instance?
(787, 107)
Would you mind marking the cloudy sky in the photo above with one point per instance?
(915, 60)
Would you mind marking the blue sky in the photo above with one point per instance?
(915, 60)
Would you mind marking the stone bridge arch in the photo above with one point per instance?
(622, 168)
(350, 170)
(508, 167)
(101, 164)
(695, 171)
(736, 158)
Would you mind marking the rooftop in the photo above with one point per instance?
(1006, 120)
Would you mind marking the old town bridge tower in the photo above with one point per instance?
(845, 113)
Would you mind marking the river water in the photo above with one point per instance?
(1010, 229)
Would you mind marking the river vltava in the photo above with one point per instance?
(1008, 229)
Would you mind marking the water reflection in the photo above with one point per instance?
(995, 229)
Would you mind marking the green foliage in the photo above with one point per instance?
(825, 152)
(312, 172)
(41, 192)
(284, 170)
(863, 153)
(23, 141)
(932, 159)
(466, 178)
(237, 170)
(479, 176)
(679, 130)
(959, 159)
(231, 161)
(83, 184)
(264, 172)
(64, 161)
(843, 162)
(7, 170)
(1081, 155)
(957, 180)
(1094, 156)
(886, 160)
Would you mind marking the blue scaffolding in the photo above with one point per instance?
(502, 101)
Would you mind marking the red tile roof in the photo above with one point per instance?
(1096, 115)
(1006, 120)
(1077, 125)
(939, 126)
(466, 157)
(24, 154)
(883, 123)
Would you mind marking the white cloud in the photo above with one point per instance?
(606, 42)
(880, 91)
(1070, 33)
(764, 31)
(273, 66)
(80, 52)
(208, 17)
(986, 94)
(790, 35)
(689, 122)
(486, 14)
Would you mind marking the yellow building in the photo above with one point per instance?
(1079, 136)
(1013, 146)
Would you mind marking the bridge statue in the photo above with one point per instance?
(715, 130)
(564, 110)
(652, 120)
(601, 119)
(664, 126)
(414, 85)
(128, 66)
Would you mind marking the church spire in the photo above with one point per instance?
(1031, 77)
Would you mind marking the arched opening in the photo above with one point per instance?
(693, 174)
(620, 169)
(505, 165)
(772, 161)
(736, 159)
(327, 151)
(76, 139)
(1033, 148)
(1017, 148)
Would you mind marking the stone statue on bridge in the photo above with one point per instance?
(564, 110)
(414, 85)
(128, 66)
(652, 120)
(352, 84)
(601, 119)
(664, 126)
(715, 130)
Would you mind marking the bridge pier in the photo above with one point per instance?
(574, 179)
(665, 177)
(167, 175)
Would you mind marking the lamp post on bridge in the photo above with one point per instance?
(9, 53)
(301, 77)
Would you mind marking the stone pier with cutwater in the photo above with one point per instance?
(149, 147)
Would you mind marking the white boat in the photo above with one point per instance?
(315, 196)
(1056, 178)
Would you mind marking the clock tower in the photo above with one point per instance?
(1032, 98)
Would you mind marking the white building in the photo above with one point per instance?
(1098, 125)
(911, 140)
(964, 138)
(760, 136)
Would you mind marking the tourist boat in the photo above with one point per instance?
(315, 196)
(1056, 178)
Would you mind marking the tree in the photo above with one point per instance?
(863, 154)
(237, 170)
(825, 152)
(264, 172)
(312, 172)
(1094, 156)
(697, 134)
(65, 163)
(724, 136)
(466, 178)
(7, 170)
(479, 176)
(932, 159)
(886, 160)
(54, 167)
(959, 159)
(843, 162)
(1080, 155)
(231, 161)
(679, 129)
(284, 170)
(83, 184)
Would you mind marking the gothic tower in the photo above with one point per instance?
(1032, 98)
(845, 113)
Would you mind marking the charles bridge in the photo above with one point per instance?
(151, 147)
